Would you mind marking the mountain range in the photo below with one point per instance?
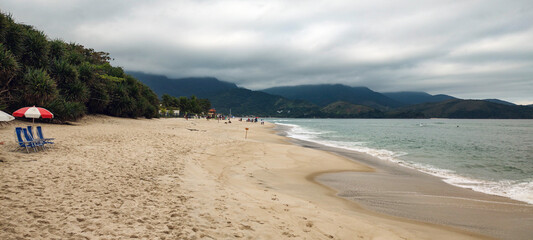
(201, 87)
(330, 100)
(457, 108)
(325, 94)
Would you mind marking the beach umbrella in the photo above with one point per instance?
(5, 117)
(33, 112)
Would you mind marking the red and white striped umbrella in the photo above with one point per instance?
(33, 112)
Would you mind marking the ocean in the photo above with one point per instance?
(489, 156)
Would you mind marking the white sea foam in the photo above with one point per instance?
(517, 190)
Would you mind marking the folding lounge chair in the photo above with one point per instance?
(30, 139)
(21, 142)
(42, 138)
(30, 131)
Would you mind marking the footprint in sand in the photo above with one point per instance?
(246, 227)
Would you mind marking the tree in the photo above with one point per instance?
(87, 72)
(8, 71)
(63, 72)
(57, 50)
(39, 88)
(75, 91)
(205, 105)
(184, 104)
(99, 96)
(195, 107)
(166, 100)
(12, 35)
(120, 104)
(66, 110)
(36, 49)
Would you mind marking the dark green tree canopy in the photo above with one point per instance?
(186, 105)
(67, 78)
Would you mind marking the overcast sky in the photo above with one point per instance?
(468, 49)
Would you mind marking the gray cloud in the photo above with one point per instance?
(469, 49)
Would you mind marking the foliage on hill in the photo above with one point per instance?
(202, 87)
(186, 105)
(349, 110)
(464, 109)
(67, 78)
(325, 94)
(243, 102)
(499, 101)
(412, 98)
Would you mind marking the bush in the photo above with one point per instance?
(35, 49)
(63, 72)
(99, 97)
(76, 92)
(57, 50)
(121, 104)
(39, 88)
(64, 110)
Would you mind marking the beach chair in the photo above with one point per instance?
(42, 138)
(21, 142)
(28, 138)
(30, 131)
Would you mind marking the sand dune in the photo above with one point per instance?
(112, 178)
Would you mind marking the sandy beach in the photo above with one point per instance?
(113, 178)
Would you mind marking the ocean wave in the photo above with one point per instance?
(301, 133)
(517, 190)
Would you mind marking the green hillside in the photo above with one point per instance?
(243, 101)
(499, 101)
(465, 109)
(349, 110)
(412, 98)
(66, 78)
(325, 94)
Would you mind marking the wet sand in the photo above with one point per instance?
(399, 191)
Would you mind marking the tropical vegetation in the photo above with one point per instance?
(67, 78)
(192, 105)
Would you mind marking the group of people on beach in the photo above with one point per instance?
(228, 118)
(253, 120)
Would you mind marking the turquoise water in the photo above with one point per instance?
(490, 156)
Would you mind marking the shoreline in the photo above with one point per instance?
(399, 191)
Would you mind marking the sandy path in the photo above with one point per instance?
(111, 178)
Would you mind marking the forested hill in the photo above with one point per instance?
(67, 78)
(499, 101)
(242, 102)
(201, 87)
(324, 94)
(465, 109)
(411, 98)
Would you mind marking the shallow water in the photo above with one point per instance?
(489, 156)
